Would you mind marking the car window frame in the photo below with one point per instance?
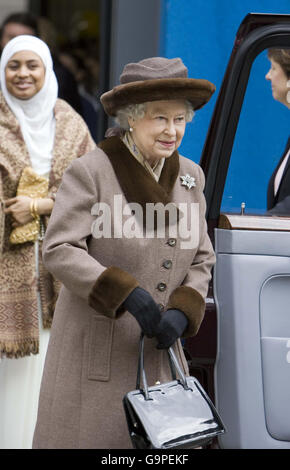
(253, 37)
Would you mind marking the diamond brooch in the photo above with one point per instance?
(188, 181)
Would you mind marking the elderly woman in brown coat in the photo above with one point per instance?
(125, 267)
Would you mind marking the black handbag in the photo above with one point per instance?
(177, 414)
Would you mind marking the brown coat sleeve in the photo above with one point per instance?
(65, 251)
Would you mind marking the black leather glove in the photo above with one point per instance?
(145, 310)
(171, 327)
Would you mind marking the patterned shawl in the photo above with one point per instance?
(19, 330)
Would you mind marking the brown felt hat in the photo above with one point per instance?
(154, 79)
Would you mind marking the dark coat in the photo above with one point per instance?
(280, 204)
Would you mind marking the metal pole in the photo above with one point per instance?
(105, 43)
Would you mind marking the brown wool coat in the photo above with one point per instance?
(92, 354)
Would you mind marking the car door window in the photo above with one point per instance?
(261, 136)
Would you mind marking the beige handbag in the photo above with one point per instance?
(35, 186)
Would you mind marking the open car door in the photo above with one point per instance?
(247, 371)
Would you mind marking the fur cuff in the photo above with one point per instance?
(110, 290)
(192, 304)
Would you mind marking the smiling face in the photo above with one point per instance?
(159, 133)
(24, 74)
(278, 79)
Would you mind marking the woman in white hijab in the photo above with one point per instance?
(44, 133)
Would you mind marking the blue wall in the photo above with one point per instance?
(202, 33)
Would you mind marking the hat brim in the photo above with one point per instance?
(197, 91)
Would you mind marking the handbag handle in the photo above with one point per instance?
(141, 369)
(174, 366)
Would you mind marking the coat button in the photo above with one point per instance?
(172, 241)
(161, 286)
(161, 307)
(167, 264)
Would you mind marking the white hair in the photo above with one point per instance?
(137, 111)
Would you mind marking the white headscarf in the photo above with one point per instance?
(35, 115)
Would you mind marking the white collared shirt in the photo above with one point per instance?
(280, 172)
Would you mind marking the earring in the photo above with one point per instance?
(131, 129)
